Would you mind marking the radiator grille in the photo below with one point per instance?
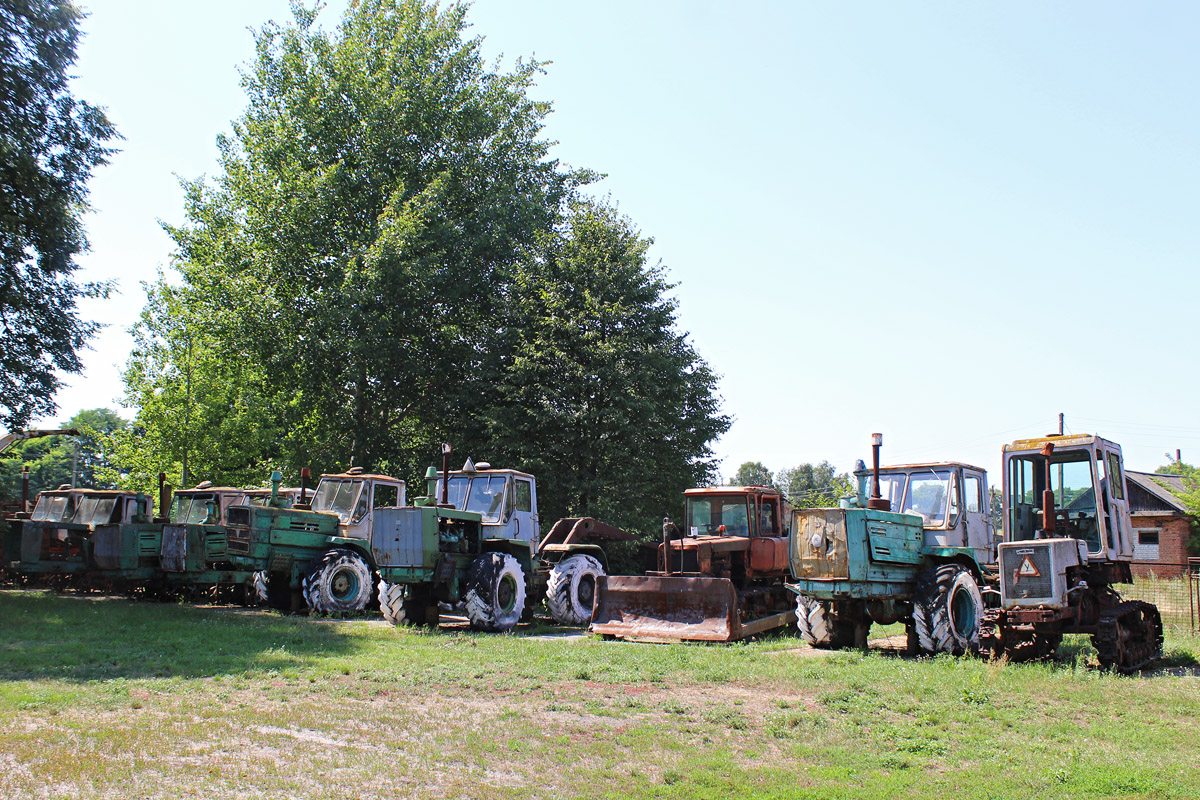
(1018, 577)
(238, 515)
(238, 540)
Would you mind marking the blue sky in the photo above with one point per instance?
(947, 222)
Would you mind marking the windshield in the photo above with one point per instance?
(191, 509)
(94, 510)
(891, 488)
(707, 514)
(339, 496)
(927, 494)
(483, 494)
(54, 508)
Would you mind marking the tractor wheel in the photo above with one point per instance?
(280, 595)
(407, 604)
(571, 589)
(260, 588)
(495, 592)
(821, 626)
(339, 581)
(948, 611)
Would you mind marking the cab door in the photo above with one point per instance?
(977, 521)
(525, 515)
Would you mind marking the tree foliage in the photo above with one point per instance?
(51, 459)
(49, 144)
(390, 258)
(597, 390)
(814, 486)
(752, 473)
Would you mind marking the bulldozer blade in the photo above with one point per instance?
(673, 608)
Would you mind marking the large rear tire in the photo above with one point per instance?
(821, 626)
(948, 611)
(408, 604)
(495, 592)
(571, 589)
(340, 581)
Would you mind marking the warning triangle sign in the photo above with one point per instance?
(1028, 570)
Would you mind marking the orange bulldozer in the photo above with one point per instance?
(719, 578)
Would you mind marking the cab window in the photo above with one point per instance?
(524, 496)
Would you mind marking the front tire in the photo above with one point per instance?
(407, 604)
(821, 626)
(571, 589)
(339, 582)
(495, 592)
(948, 611)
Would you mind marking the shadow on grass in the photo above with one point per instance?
(104, 638)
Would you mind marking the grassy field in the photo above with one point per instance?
(101, 697)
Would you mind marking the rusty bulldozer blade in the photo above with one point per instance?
(660, 608)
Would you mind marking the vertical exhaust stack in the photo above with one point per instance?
(877, 502)
(304, 476)
(164, 495)
(25, 489)
(1048, 521)
(445, 474)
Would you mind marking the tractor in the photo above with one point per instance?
(316, 555)
(918, 550)
(95, 536)
(194, 552)
(719, 579)
(12, 513)
(479, 547)
(1067, 540)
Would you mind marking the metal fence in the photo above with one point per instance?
(1177, 596)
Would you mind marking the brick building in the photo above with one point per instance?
(1161, 524)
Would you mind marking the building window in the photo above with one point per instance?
(1146, 548)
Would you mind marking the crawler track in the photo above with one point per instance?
(1129, 636)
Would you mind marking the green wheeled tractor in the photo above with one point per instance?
(1068, 541)
(195, 542)
(315, 555)
(479, 548)
(918, 550)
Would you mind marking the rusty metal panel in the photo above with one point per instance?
(107, 546)
(769, 554)
(666, 608)
(174, 548)
(818, 544)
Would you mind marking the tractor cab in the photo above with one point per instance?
(353, 496)
(1069, 487)
(63, 522)
(949, 497)
(505, 499)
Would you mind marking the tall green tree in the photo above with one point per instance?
(598, 392)
(752, 473)
(375, 199)
(814, 485)
(53, 460)
(49, 144)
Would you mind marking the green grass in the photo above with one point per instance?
(107, 698)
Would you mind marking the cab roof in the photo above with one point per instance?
(929, 465)
(1068, 440)
(359, 476)
(92, 493)
(748, 490)
(490, 471)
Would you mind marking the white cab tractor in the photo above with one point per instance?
(1067, 542)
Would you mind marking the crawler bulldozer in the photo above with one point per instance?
(719, 577)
